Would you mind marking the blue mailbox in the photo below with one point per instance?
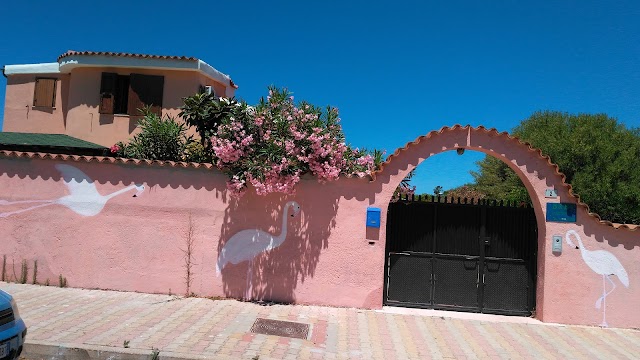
(373, 217)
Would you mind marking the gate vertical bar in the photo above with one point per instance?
(533, 260)
(482, 245)
(433, 255)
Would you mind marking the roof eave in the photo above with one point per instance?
(69, 62)
(44, 68)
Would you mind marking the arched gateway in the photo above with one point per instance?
(561, 274)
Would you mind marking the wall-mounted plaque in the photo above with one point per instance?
(561, 212)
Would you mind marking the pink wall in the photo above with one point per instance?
(329, 256)
(135, 243)
(21, 116)
(76, 113)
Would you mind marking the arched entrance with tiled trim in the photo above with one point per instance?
(537, 174)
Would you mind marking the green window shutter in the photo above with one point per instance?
(107, 92)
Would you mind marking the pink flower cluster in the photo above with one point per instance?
(114, 148)
(231, 143)
(271, 146)
(236, 186)
(275, 182)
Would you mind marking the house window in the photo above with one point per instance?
(125, 94)
(45, 93)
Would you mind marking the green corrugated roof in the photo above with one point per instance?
(56, 140)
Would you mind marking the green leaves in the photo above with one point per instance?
(495, 180)
(599, 156)
(205, 112)
(160, 139)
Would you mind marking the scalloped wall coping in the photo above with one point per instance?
(180, 164)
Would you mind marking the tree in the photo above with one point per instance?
(496, 180)
(437, 190)
(205, 112)
(599, 156)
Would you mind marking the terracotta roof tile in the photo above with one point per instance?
(108, 53)
(505, 135)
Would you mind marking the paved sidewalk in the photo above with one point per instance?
(102, 321)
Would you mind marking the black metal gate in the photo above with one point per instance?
(461, 255)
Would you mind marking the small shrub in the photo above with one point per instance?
(188, 257)
(62, 281)
(155, 354)
(126, 343)
(24, 270)
(35, 272)
(4, 267)
(195, 152)
(159, 139)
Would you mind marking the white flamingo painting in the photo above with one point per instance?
(602, 263)
(247, 244)
(83, 198)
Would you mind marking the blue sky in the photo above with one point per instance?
(396, 70)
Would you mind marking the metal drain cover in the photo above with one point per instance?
(280, 328)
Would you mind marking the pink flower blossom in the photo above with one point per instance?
(303, 144)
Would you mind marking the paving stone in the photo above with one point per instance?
(197, 328)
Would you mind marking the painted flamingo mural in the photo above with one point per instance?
(602, 263)
(245, 245)
(83, 198)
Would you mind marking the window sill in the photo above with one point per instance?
(43, 108)
(122, 115)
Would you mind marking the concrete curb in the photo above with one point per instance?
(56, 351)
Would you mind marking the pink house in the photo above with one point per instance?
(94, 96)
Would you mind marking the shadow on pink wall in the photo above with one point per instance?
(281, 274)
(276, 274)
